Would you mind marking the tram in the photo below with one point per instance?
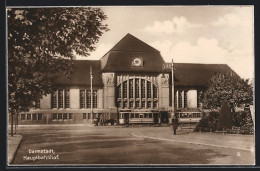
(154, 118)
(139, 118)
(189, 117)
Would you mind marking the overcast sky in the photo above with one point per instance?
(190, 34)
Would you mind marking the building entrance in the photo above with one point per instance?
(164, 117)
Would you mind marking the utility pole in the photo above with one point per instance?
(91, 95)
(172, 114)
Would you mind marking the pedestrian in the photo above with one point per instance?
(175, 123)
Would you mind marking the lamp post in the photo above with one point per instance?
(91, 95)
(172, 67)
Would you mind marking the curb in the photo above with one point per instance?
(12, 156)
(196, 143)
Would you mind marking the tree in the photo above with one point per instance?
(225, 117)
(236, 91)
(208, 123)
(43, 41)
(229, 86)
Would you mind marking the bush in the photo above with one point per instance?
(208, 123)
(225, 121)
(248, 127)
(244, 121)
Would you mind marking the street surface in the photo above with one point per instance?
(85, 145)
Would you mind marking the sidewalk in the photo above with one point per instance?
(13, 144)
(232, 141)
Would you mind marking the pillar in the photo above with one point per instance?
(109, 90)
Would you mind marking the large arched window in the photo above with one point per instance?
(137, 93)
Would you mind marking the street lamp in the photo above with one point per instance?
(172, 67)
(91, 95)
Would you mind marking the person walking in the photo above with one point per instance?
(175, 123)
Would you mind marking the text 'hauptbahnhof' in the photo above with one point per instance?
(130, 84)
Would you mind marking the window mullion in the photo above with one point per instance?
(85, 97)
(57, 99)
(63, 98)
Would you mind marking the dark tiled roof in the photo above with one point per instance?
(187, 74)
(129, 43)
(122, 62)
(80, 75)
(119, 58)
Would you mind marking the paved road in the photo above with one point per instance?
(110, 145)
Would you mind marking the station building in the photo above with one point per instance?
(130, 85)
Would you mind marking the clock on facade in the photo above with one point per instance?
(137, 62)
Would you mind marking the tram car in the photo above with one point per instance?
(189, 117)
(154, 118)
(139, 118)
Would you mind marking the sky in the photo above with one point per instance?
(186, 34)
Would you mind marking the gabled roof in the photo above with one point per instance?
(129, 43)
(80, 75)
(120, 57)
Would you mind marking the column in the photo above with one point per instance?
(74, 98)
(177, 99)
(63, 92)
(134, 92)
(127, 94)
(152, 94)
(109, 90)
(121, 87)
(182, 99)
(145, 85)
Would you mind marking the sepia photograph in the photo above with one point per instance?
(130, 86)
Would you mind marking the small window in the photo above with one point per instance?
(194, 115)
(60, 116)
(137, 115)
(84, 116)
(141, 115)
(190, 115)
(29, 116)
(149, 104)
(150, 115)
(132, 115)
(22, 116)
(124, 104)
(154, 104)
(67, 99)
(143, 104)
(137, 104)
(54, 116)
(40, 116)
(146, 115)
(34, 116)
(65, 116)
(70, 115)
(131, 104)
(89, 115)
(198, 115)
